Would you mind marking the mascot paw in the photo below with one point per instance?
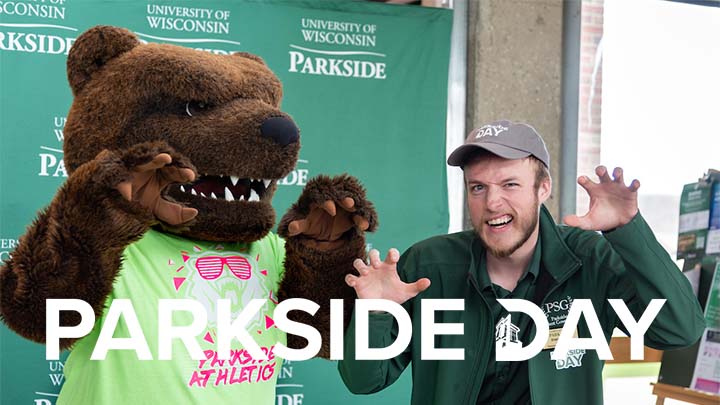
(142, 173)
(329, 213)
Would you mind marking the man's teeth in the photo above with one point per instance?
(266, 182)
(500, 221)
(234, 180)
(253, 196)
(228, 195)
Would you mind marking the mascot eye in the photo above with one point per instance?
(195, 107)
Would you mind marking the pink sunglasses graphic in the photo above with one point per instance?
(211, 267)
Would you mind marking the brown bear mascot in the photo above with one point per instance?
(174, 156)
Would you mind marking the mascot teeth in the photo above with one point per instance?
(228, 188)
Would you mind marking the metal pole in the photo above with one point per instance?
(457, 94)
(570, 100)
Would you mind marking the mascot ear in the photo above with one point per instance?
(250, 56)
(93, 49)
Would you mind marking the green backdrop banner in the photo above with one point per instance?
(365, 82)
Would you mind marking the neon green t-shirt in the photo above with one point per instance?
(165, 266)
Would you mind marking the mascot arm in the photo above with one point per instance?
(74, 247)
(324, 232)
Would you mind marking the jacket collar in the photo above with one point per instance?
(556, 257)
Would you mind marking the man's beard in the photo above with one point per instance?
(526, 233)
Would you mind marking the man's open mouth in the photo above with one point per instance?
(500, 221)
(228, 188)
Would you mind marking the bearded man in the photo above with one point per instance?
(516, 251)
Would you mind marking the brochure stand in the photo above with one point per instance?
(691, 374)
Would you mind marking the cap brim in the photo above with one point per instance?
(460, 155)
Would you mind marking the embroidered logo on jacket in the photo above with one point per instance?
(506, 334)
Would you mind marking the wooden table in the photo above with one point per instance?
(683, 394)
(620, 349)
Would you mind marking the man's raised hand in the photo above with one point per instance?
(380, 279)
(612, 203)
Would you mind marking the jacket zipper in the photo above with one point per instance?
(488, 325)
(550, 291)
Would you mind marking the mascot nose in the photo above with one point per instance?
(282, 130)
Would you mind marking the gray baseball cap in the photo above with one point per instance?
(507, 139)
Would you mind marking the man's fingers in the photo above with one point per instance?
(618, 175)
(160, 160)
(348, 203)
(329, 207)
(602, 173)
(361, 267)
(374, 258)
(297, 227)
(392, 257)
(419, 286)
(351, 280)
(634, 185)
(586, 183)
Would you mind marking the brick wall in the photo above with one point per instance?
(590, 108)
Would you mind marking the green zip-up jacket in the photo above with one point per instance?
(627, 263)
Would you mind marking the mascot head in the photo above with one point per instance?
(222, 112)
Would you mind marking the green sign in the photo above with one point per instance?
(712, 307)
(694, 219)
(365, 82)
